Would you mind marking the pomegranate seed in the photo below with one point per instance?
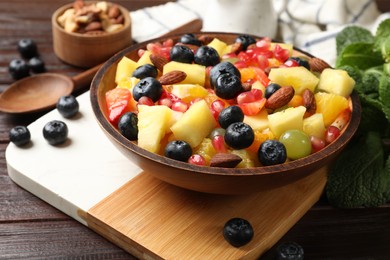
(197, 159)
(291, 63)
(144, 100)
(240, 64)
(262, 61)
(331, 134)
(281, 54)
(168, 43)
(179, 106)
(141, 52)
(246, 97)
(257, 93)
(165, 102)
(216, 107)
(317, 144)
(219, 144)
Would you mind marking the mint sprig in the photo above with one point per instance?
(360, 177)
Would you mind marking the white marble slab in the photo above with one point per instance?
(75, 175)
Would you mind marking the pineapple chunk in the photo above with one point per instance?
(330, 105)
(290, 118)
(196, 74)
(188, 92)
(259, 121)
(314, 126)
(336, 81)
(145, 59)
(128, 83)
(297, 77)
(153, 123)
(125, 69)
(218, 45)
(196, 123)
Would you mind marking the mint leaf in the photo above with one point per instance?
(372, 116)
(352, 34)
(384, 93)
(360, 179)
(361, 55)
(382, 34)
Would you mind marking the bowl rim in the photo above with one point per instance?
(347, 133)
(62, 9)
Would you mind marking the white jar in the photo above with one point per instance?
(257, 17)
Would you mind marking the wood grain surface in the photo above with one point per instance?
(32, 229)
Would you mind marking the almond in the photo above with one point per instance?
(158, 61)
(226, 160)
(318, 65)
(309, 102)
(172, 77)
(113, 11)
(93, 26)
(280, 98)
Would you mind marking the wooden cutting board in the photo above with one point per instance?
(88, 179)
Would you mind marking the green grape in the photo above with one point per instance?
(297, 144)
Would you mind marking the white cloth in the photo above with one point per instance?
(311, 25)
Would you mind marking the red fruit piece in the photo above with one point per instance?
(253, 108)
(119, 101)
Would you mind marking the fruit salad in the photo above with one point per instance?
(247, 103)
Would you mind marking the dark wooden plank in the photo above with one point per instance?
(55, 239)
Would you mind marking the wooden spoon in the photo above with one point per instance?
(42, 91)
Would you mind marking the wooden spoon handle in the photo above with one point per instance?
(84, 79)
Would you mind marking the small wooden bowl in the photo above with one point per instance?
(210, 179)
(86, 51)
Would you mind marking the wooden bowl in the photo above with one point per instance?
(210, 179)
(84, 50)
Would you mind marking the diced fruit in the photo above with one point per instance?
(290, 118)
(196, 74)
(260, 137)
(287, 46)
(248, 158)
(259, 121)
(336, 82)
(218, 45)
(153, 123)
(253, 108)
(206, 150)
(145, 58)
(128, 83)
(297, 77)
(119, 101)
(330, 106)
(189, 92)
(125, 69)
(196, 123)
(258, 85)
(314, 126)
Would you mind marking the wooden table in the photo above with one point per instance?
(32, 229)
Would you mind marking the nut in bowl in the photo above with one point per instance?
(260, 120)
(86, 34)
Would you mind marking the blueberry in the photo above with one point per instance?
(67, 106)
(18, 69)
(245, 40)
(149, 87)
(55, 132)
(181, 53)
(228, 86)
(178, 150)
(272, 152)
(239, 135)
(19, 135)
(230, 115)
(222, 68)
(190, 38)
(206, 56)
(128, 127)
(270, 89)
(36, 65)
(144, 71)
(301, 62)
(238, 232)
(27, 48)
(289, 251)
